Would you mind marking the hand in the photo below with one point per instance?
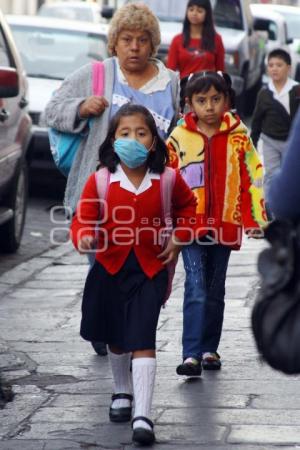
(255, 233)
(171, 252)
(93, 106)
(86, 243)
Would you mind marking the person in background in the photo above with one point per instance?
(284, 192)
(127, 285)
(276, 106)
(199, 47)
(133, 75)
(216, 157)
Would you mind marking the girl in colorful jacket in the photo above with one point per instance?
(216, 157)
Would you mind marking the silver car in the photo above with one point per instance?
(51, 49)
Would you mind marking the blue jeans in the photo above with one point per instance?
(204, 293)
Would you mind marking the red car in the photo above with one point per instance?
(15, 135)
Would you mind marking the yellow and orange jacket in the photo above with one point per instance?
(225, 174)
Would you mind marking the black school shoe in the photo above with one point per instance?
(120, 414)
(143, 436)
(211, 361)
(191, 367)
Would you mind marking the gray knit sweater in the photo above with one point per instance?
(61, 114)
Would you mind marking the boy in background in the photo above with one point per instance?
(276, 106)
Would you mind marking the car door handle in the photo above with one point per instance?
(23, 102)
(4, 115)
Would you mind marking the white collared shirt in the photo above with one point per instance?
(125, 183)
(283, 96)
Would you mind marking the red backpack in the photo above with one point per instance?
(167, 181)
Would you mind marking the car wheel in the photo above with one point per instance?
(11, 232)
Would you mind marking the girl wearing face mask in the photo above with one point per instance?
(127, 285)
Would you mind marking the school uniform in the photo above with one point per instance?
(126, 287)
(272, 119)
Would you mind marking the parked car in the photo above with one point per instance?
(83, 11)
(51, 49)
(244, 46)
(274, 25)
(15, 133)
(291, 15)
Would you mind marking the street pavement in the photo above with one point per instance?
(62, 388)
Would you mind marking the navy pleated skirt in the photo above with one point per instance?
(122, 309)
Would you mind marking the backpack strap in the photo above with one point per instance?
(102, 178)
(98, 77)
(167, 182)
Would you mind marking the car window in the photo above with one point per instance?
(267, 25)
(52, 53)
(66, 12)
(4, 52)
(228, 14)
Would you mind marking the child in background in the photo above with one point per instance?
(199, 47)
(276, 106)
(126, 287)
(216, 158)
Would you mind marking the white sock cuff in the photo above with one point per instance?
(150, 362)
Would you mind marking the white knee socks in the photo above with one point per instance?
(143, 376)
(120, 366)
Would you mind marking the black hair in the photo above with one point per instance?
(203, 81)
(156, 160)
(209, 32)
(281, 54)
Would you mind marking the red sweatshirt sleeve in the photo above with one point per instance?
(184, 209)
(220, 53)
(87, 213)
(172, 61)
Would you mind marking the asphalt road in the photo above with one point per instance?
(36, 237)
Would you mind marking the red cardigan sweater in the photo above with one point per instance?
(131, 222)
(193, 59)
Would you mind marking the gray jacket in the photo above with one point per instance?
(61, 114)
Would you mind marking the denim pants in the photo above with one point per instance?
(204, 292)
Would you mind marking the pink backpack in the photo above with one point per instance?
(167, 182)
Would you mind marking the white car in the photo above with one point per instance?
(274, 25)
(51, 49)
(291, 15)
(83, 11)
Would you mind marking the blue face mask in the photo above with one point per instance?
(131, 152)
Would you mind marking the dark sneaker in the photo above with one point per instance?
(211, 361)
(191, 367)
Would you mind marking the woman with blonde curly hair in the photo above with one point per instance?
(131, 75)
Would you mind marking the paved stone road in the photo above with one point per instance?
(62, 389)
